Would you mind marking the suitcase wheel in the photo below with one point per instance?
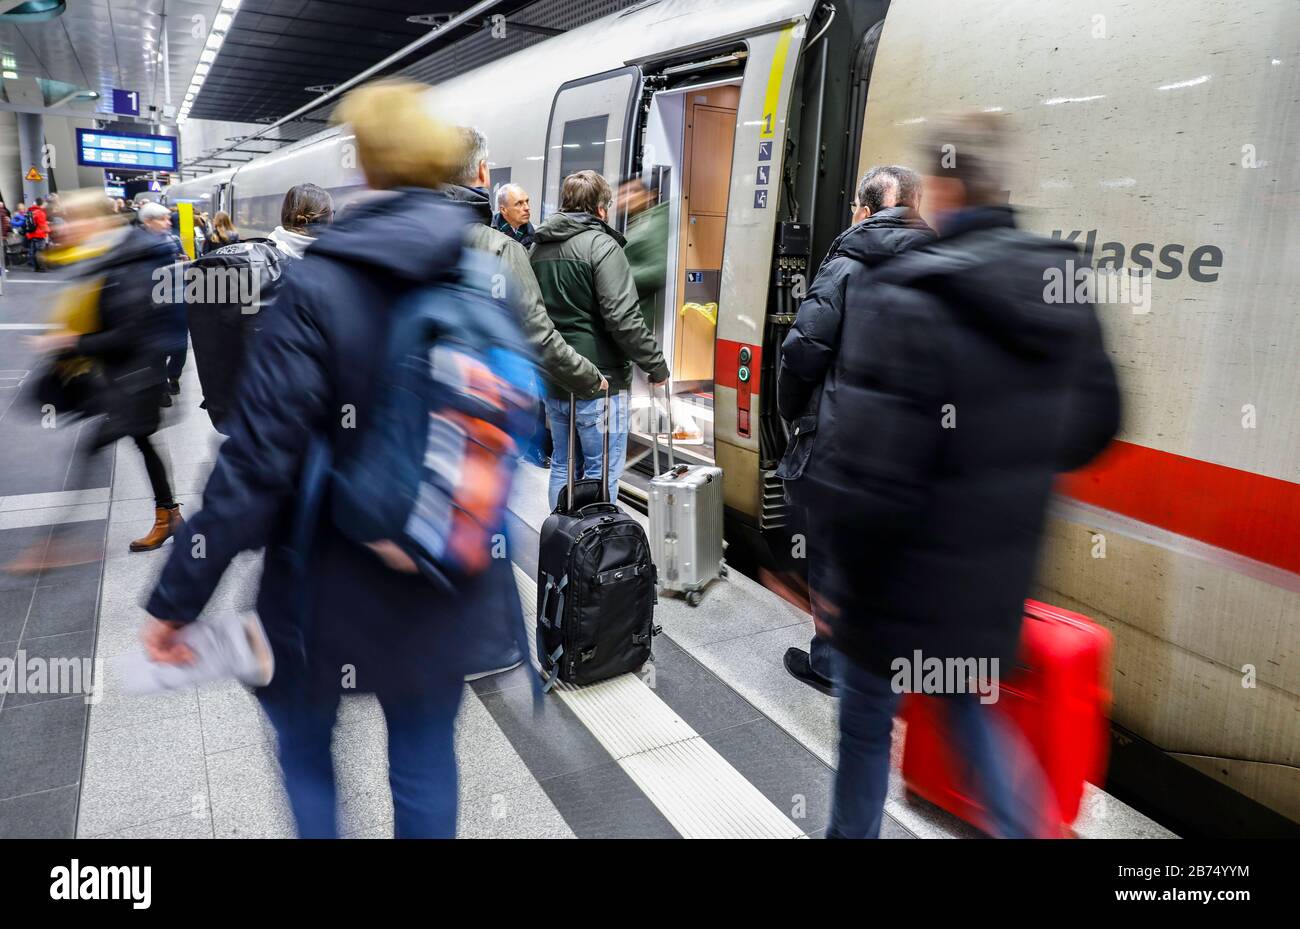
(722, 570)
(694, 597)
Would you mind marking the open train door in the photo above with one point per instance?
(591, 119)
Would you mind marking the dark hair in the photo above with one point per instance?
(40, 201)
(584, 192)
(889, 181)
(306, 205)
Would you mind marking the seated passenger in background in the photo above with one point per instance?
(513, 213)
(957, 395)
(885, 222)
(592, 299)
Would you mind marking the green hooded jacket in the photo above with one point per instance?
(592, 299)
(647, 253)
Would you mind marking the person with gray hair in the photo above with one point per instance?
(962, 387)
(513, 214)
(885, 223)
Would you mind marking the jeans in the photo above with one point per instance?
(421, 760)
(994, 754)
(591, 426)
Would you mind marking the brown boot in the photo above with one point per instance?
(166, 522)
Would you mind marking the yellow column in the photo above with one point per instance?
(186, 211)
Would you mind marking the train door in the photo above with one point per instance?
(687, 165)
(590, 119)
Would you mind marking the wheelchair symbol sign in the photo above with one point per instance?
(760, 199)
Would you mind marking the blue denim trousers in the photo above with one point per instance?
(1002, 772)
(421, 760)
(591, 428)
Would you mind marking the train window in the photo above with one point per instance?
(591, 119)
(584, 145)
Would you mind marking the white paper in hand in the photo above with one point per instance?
(225, 646)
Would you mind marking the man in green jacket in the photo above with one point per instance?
(647, 244)
(591, 297)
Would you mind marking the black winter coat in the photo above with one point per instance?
(955, 404)
(137, 322)
(311, 373)
(810, 347)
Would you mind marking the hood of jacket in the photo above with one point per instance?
(414, 234)
(475, 198)
(561, 226)
(996, 277)
(880, 236)
(291, 243)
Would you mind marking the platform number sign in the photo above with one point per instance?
(126, 102)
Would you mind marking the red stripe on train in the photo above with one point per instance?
(1250, 514)
(726, 364)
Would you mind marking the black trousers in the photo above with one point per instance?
(176, 364)
(153, 464)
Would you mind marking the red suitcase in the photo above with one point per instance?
(1057, 696)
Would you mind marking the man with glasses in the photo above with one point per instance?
(885, 222)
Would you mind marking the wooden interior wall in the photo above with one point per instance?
(708, 142)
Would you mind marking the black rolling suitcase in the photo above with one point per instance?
(595, 582)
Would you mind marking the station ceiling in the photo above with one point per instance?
(276, 49)
(98, 45)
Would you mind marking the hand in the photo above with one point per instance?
(658, 383)
(604, 384)
(53, 342)
(162, 644)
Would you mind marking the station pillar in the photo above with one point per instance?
(31, 154)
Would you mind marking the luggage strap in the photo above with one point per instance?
(620, 574)
(559, 602)
(554, 659)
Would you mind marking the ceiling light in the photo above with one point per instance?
(221, 22)
(208, 55)
(202, 69)
(11, 75)
(230, 5)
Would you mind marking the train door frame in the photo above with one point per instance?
(626, 134)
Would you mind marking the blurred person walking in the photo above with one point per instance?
(338, 617)
(107, 357)
(957, 399)
(157, 219)
(591, 297)
(886, 222)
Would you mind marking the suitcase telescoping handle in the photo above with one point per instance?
(668, 399)
(604, 456)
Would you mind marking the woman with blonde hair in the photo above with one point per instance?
(223, 233)
(338, 617)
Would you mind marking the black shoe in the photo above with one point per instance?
(799, 666)
(544, 461)
(166, 399)
(174, 387)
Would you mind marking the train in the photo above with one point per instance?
(1158, 132)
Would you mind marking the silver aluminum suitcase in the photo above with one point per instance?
(685, 520)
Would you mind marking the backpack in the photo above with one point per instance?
(220, 330)
(426, 485)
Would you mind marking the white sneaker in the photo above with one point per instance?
(225, 646)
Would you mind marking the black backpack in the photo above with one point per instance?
(596, 583)
(221, 330)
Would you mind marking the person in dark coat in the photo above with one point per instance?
(955, 403)
(344, 621)
(127, 342)
(886, 223)
(513, 214)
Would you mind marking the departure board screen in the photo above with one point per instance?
(119, 150)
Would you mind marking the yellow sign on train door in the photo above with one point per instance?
(34, 175)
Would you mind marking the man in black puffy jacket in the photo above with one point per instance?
(886, 222)
(955, 403)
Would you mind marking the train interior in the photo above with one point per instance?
(690, 134)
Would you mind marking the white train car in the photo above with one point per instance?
(1157, 130)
